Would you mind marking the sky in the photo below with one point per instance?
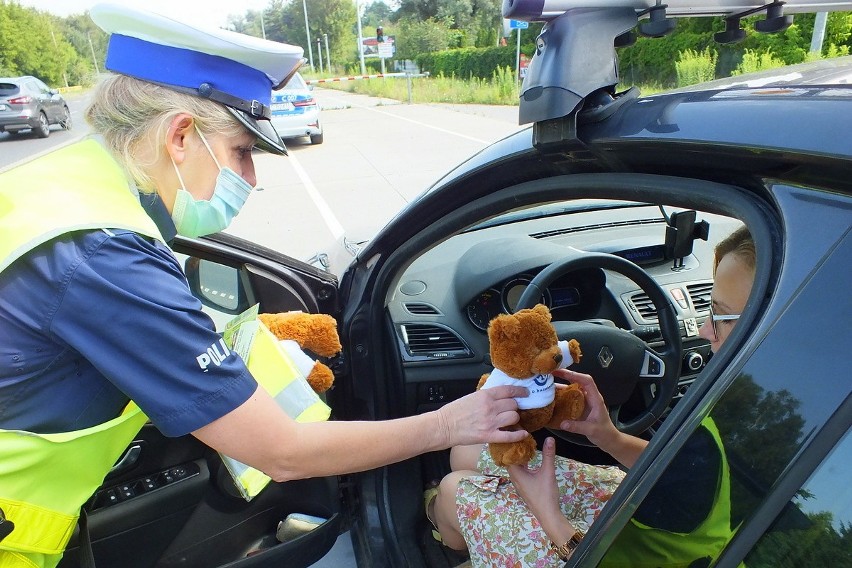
(202, 12)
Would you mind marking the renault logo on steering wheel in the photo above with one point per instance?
(605, 357)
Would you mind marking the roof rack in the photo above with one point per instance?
(575, 66)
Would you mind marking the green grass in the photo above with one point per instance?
(501, 89)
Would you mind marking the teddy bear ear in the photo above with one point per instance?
(504, 326)
(543, 310)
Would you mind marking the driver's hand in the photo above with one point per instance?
(595, 422)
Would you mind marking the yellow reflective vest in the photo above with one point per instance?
(46, 478)
(641, 546)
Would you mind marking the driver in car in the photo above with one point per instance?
(536, 515)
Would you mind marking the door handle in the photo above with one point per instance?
(127, 460)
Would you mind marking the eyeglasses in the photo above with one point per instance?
(714, 318)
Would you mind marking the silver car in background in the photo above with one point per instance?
(26, 103)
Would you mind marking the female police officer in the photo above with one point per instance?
(95, 310)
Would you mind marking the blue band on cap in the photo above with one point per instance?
(186, 68)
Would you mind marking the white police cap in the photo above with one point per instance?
(236, 70)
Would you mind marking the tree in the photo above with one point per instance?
(375, 14)
(472, 22)
(33, 43)
(416, 37)
(285, 22)
(79, 30)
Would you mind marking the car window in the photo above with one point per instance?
(41, 87)
(8, 89)
(296, 84)
(816, 529)
(770, 416)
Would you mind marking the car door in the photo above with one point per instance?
(42, 93)
(169, 501)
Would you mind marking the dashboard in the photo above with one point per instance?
(443, 302)
(570, 297)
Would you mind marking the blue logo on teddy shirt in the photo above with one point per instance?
(541, 380)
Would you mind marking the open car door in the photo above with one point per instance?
(170, 501)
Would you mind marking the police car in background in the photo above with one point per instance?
(607, 209)
(295, 111)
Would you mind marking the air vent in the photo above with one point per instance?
(422, 309)
(644, 306)
(700, 295)
(432, 341)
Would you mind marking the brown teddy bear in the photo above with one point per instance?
(525, 351)
(314, 332)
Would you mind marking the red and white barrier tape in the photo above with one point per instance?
(354, 78)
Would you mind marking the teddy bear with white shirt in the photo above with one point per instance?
(525, 351)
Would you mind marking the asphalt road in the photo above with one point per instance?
(378, 155)
(19, 148)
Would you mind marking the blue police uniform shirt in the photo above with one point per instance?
(94, 318)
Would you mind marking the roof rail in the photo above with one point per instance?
(575, 53)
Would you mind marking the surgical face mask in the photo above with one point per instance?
(199, 217)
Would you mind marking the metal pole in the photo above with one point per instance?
(94, 59)
(518, 59)
(408, 76)
(308, 35)
(327, 56)
(319, 52)
(819, 32)
(262, 25)
(64, 75)
(360, 39)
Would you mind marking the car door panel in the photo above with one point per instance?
(171, 502)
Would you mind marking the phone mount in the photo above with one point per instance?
(681, 233)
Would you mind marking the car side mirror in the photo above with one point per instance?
(217, 286)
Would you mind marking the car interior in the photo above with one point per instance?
(579, 257)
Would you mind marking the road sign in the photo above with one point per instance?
(385, 50)
(518, 24)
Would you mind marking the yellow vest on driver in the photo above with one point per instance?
(642, 546)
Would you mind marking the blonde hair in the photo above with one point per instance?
(740, 244)
(133, 116)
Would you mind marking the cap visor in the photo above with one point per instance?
(267, 138)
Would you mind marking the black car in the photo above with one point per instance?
(27, 104)
(609, 205)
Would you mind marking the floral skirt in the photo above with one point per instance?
(499, 529)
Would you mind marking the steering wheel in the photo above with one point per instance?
(616, 359)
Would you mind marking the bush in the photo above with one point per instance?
(469, 62)
(652, 60)
(753, 61)
(693, 67)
